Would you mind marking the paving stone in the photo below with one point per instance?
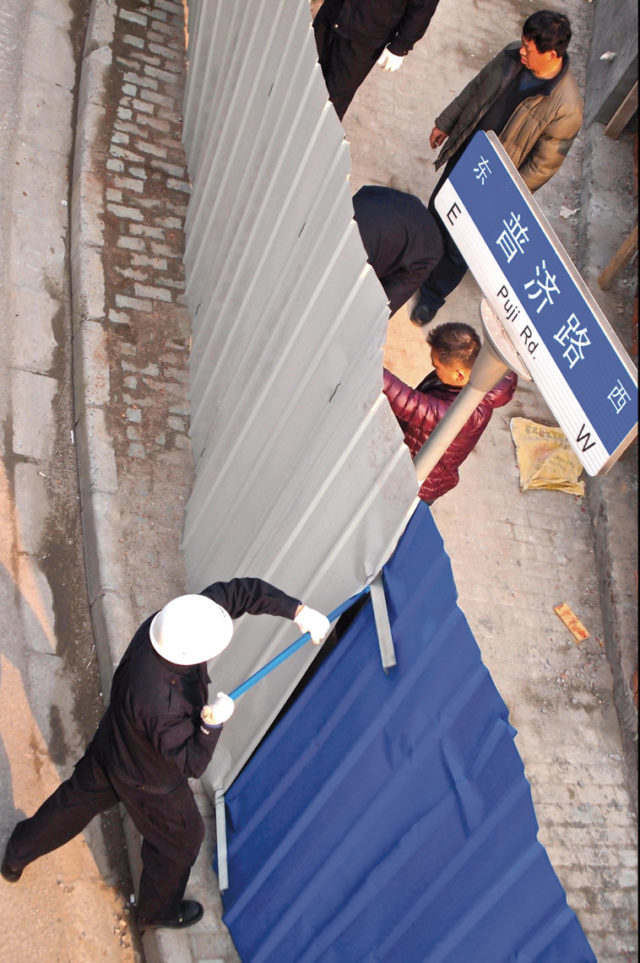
(175, 185)
(41, 100)
(162, 75)
(117, 150)
(133, 41)
(32, 397)
(154, 123)
(133, 17)
(131, 274)
(119, 317)
(31, 506)
(157, 98)
(143, 260)
(164, 51)
(146, 59)
(153, 149)
(34, 312)
(145, 106)
(136, 304)
(47, 51)
(141, 81)
(147, 291)
(131, 243)
(146, 231)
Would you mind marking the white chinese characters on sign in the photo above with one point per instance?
(482, 171)
(512, 240)
(618, 396)
(543, 284)
(574, 339)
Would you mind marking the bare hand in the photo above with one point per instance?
(437, 138)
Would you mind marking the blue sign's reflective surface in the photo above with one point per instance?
(582, 370)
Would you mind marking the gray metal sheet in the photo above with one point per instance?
(302, 477)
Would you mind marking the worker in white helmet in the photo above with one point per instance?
(158, 732)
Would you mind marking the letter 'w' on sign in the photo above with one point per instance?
(568, 346)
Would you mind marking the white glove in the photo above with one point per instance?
(313, 622)
(388, 60)
(220, 710)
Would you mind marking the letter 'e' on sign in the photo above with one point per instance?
(572, 353)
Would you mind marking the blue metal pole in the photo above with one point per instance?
(266, 669)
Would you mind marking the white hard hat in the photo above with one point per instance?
(190, 629)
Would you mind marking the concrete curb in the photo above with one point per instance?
(111, 613)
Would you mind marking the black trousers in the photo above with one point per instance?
(170, 824)
(452, 267)
(345, 64)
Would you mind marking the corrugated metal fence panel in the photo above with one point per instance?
(387, 817)
(301, 474)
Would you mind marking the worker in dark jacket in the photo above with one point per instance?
(351, 35)
(401, 238)
(454, 348)
(158, 732)
(529, 97)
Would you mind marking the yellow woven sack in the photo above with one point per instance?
(545, 458)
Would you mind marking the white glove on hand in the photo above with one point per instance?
(388, 60)
(220, 710)
(313, 622)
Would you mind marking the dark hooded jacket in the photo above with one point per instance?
(420, 409)
(378, 23)
(401, 238)
(151, 737)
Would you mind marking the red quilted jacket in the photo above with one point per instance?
(420, 409)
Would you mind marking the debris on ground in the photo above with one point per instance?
(572, 622)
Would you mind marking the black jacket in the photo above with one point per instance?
(401, 238)
(151, 737)
(376, 23)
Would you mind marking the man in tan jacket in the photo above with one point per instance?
(529, 97)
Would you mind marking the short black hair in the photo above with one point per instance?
(455, 343)
(548, 30)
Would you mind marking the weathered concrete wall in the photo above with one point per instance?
(615, 30)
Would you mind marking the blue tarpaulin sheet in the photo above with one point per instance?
(387, 817)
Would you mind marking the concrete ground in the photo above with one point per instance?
(74, 904)
(515, 555)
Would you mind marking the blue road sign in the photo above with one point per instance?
(558, 329)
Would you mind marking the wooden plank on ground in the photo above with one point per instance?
(622, 256)
(623, 114)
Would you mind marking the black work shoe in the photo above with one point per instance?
(422, 314)
(190, 913)
(10, 872)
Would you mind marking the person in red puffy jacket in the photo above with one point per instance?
(454, 348)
